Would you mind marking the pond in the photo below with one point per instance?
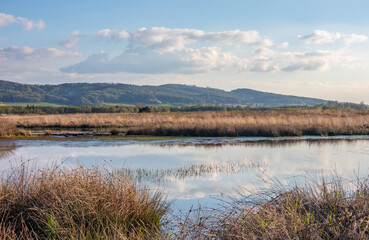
(192, 171)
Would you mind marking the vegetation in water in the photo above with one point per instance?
(97, 204)
(320, 210)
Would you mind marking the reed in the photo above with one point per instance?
(77, 204)
(271, 123)
(320, 210)
(7, 128)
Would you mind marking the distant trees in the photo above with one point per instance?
(145, 110)
(32, 109)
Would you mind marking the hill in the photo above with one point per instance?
(80, 94)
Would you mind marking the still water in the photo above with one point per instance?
(193, 171)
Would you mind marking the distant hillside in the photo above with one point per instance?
(78, 94)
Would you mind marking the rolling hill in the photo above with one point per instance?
(79, 94)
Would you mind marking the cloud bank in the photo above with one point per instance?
(160, 50)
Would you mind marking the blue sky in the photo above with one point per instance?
(307, 48)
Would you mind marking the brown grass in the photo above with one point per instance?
(212, 124)
(324, 210)
(76, 204)
(7, 128)
(93, 204)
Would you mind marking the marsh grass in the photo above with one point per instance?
(319, 210)
(7, 128)
(271, 123)
(193, 171)
(77, 204)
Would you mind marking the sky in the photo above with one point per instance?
(314, 48)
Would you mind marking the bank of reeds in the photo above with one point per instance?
(7, 128)
(77, 204)
(320, 210)
(211, 124)
(94, 204)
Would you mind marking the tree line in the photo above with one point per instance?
(31, 109)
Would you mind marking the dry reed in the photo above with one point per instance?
(212, 124)
(321, 210)
(7, 128)
(76, 204)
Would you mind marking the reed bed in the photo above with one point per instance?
(211, 124)
(7, 128)
(319, 210)
(77, 204)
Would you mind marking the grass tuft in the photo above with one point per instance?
(7, 128)
(320, 210)
(77, 204)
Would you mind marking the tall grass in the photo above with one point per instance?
(320, 210)
(94, 204)
(76, 204)
(212, 124)
(7, 128)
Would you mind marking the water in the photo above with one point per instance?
(193, 171)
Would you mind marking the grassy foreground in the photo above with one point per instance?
(95, 204)
(320, 210)
(271, 123)
(77, 204)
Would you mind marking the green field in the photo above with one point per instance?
(24, 104)
(118, 104)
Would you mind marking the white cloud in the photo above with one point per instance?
(283, 45)
(28, 53)
(235, 37)
(163, 39)
(112, 34)
(321, 37)
(160, 50)
(209, 59)
(352, 38)
(8, 19)
(72, 41)
(187, 61)
(320, 60)
(267, 60)
(262, 66)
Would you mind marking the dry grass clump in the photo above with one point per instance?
(76, 204)
(318, 211)
(7, 128)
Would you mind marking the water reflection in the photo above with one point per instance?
(6, 150)
(259, 143)
(194, 169)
